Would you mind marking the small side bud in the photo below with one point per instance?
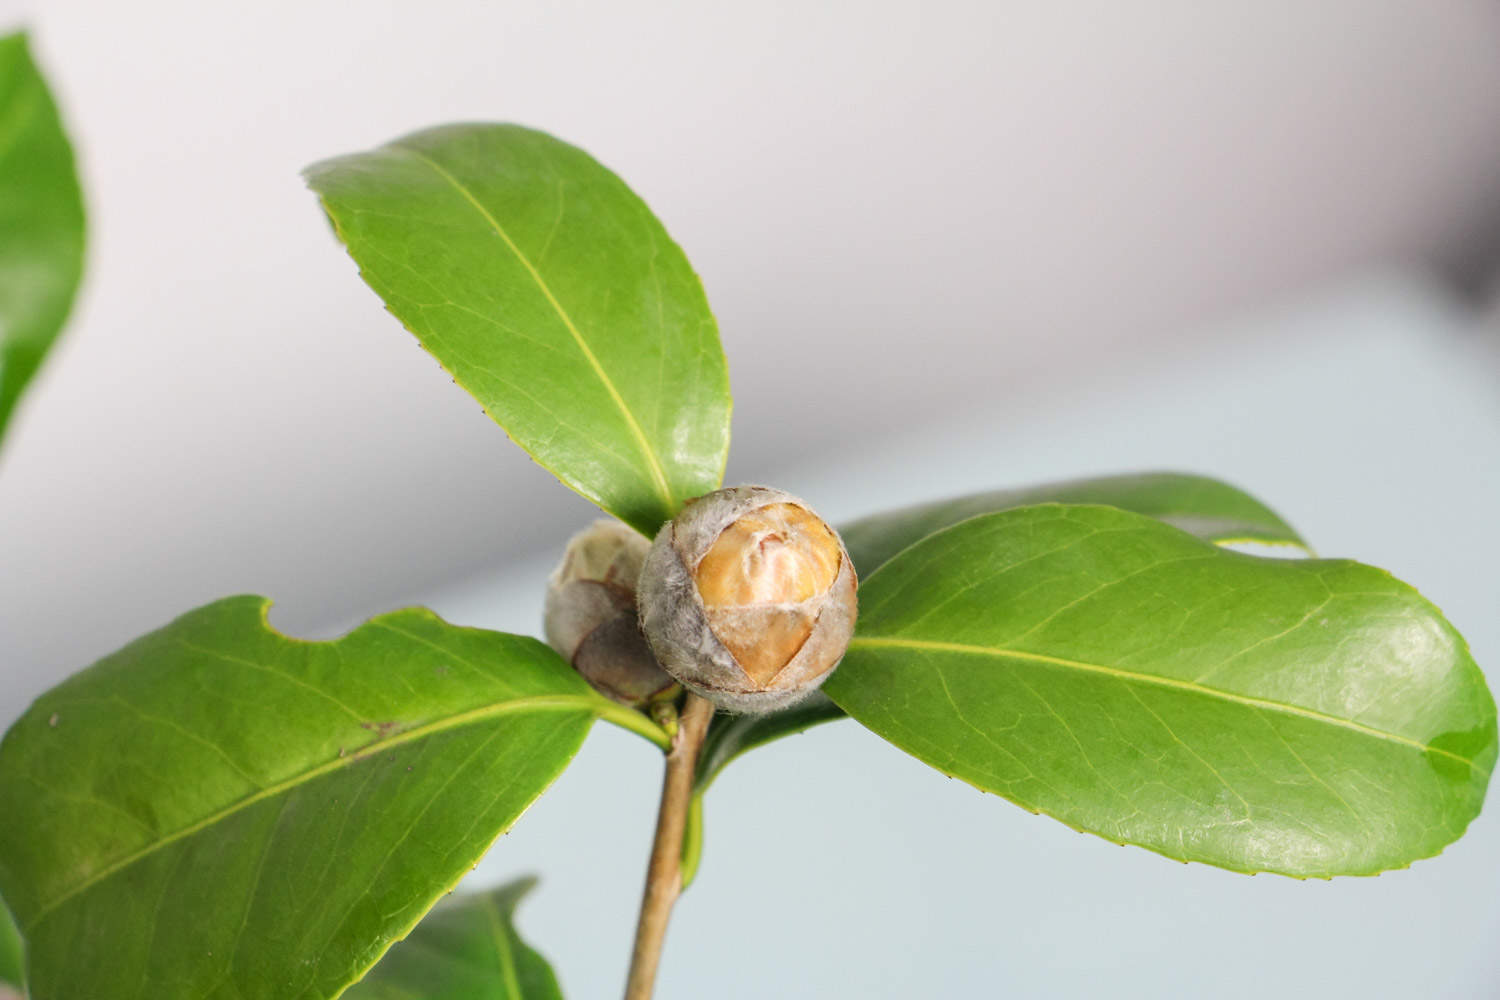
(590, 616)
(748, 598)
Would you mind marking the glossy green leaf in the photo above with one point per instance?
(11, 961)
(1307, 717)
(41, 222)
(1208, 508)
(552, 294)
(217, 810)
(465, 949)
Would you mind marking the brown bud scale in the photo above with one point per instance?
(748, 598)
(590, 615)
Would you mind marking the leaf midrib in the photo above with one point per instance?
(1131, 676)
(587, 704)
(653, 461)
(502, 947)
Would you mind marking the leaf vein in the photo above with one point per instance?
(653, 461)
(542, 703)
(869, 642)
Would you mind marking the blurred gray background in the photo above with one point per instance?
(950, 247)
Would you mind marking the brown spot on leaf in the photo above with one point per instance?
(380, 729)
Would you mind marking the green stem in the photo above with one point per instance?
(692, 840)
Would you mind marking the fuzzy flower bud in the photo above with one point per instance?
(748, 598)
(590, 616)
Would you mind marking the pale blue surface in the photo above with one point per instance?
(838, 867)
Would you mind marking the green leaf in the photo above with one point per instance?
(1208, 508)
(466, 949)
(41, 222)
(551, 293)
(11, 962)
(1307, 717)
(219, 810)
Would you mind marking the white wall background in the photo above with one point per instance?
(900, 211)
(955, 245)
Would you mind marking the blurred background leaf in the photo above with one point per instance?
(41, 222)
(11, 958)
(467, 948)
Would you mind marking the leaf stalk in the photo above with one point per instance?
(636, 722)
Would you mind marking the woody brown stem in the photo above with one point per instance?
(664, 874)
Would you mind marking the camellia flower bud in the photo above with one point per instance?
(748, 598)
(590, 615)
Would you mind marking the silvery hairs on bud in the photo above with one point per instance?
(799, 641)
